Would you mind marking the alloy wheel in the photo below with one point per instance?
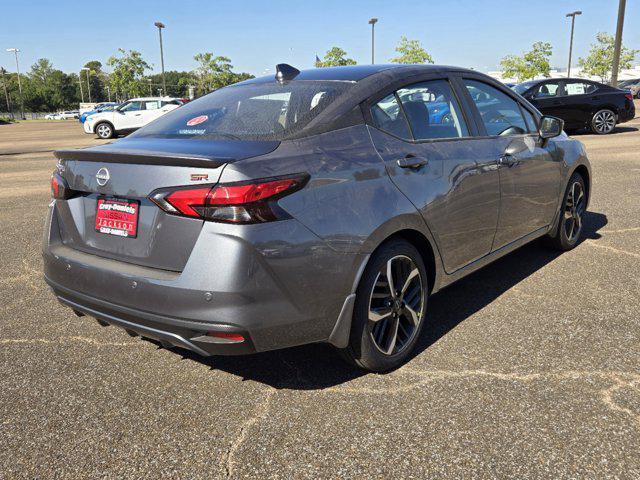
(396, 305)
(104, 131)
(574, 212)
(604, 121)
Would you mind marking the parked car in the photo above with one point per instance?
(230, 226)
(101, 107)
(625, 84)
(66, 115)
(129, 116)
(634, 89)
(580, 103)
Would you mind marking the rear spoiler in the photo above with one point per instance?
(141, 158)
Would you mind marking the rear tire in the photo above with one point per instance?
(571, 222)
(388, 316)
(104, 130)
(603, 122)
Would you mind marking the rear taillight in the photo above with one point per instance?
(59, 188)
(628, 96)
(242, 202)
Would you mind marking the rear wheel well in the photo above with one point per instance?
(418, 240)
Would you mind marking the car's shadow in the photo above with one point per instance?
(320, 366)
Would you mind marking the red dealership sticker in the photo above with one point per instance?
(197, 120)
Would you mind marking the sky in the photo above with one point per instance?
(256, 35)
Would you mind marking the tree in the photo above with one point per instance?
(411, 52)
(126, 79)
(98, 81)
(215, 72)
(599, 62)
(336, 57)
(529, 65)
(177, 82)
(48, 89)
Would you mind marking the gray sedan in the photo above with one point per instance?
(323, 205)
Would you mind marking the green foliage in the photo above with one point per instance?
(599, 62)
(177, 83)
(45, 88)
(411, 52)
(215, 72)
(336, 57)
(127, 78)
(530, 65)
(98, 81)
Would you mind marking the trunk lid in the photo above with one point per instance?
(133, 168)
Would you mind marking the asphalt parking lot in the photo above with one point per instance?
(529, 368)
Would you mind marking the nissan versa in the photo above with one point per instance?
(317, 206)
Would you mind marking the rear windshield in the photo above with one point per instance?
(249, 112)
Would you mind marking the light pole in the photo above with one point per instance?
(618, 44)
(109, 93)
(573, 21)
(160, 26)
(373, 22)
(88, 84)
(15, 51)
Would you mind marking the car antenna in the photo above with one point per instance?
(285, 72)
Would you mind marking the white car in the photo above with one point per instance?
(129, 116)
(63, 115)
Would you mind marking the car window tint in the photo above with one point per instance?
(547, 89)
(580, 88)
(531, 121)
(432, 111)
(154, 105)
(500, 113)
(132, 107)
(388, 116)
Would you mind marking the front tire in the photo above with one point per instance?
(104, 130)
(572, 212)
(603, 122)
(390, 307)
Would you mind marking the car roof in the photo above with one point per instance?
(355, 73)
(147, 99)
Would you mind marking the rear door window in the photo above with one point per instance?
(388, 116)
(432, 111)
(579, 88)
(500, 114)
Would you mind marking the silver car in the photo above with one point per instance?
(317, 206)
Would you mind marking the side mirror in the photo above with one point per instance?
(550, 127)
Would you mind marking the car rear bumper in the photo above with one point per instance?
(276, 293)
(172, 331)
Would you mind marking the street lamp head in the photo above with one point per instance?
(159, 24)
(13, 50)
(573, 14)
(373, 21)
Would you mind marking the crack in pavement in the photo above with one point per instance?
(612, 249)
(621, 380)
(258, 415)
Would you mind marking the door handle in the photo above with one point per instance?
(137, 114)
(411, 161)
(507, 160)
